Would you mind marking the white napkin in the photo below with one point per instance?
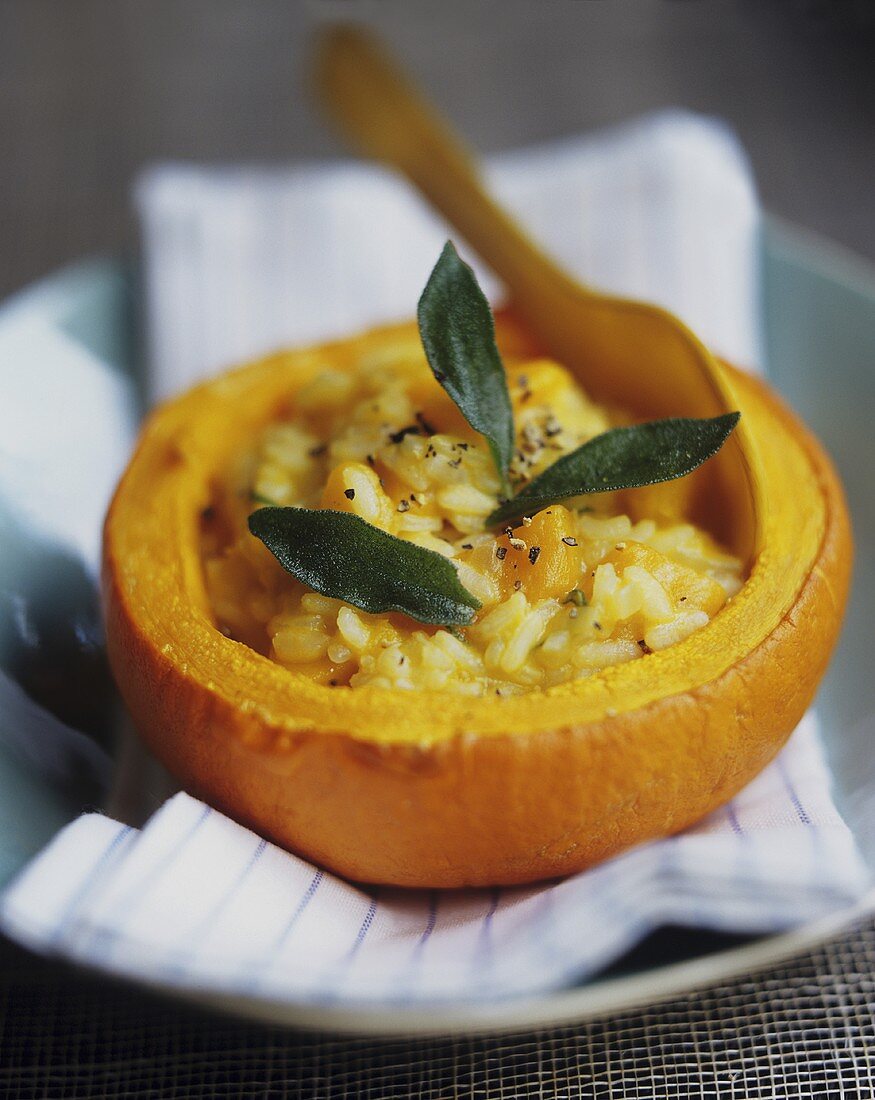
(199, 902)
(241, 260)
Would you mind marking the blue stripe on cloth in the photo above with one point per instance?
(814, 836)
(175, 966)
(801, 812)
(363, 930)
(408, 975)
(103, 939)
(542, 924)
(329, 987)
(742, 856)
(86, 884)
(296, 916)
(257, 969)
(671, 863)
(732, 816)
(430, 923)
(483, 960)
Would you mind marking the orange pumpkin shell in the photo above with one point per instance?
(423, 789)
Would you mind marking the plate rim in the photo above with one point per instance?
(606, 996)
(555, 1008)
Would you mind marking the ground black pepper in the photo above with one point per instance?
(397, 437)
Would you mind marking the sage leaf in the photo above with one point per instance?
(458, 334)
(623, 458)
(342, 556)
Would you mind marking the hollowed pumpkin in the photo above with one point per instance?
(430, 789)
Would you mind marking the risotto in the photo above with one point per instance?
(567, 591)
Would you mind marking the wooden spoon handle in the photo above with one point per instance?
(382, 114)
(619, 347)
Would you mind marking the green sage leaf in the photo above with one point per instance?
(458, 334)
(342, 556)
(623, 458)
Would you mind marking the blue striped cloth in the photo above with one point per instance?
(240, 260)
(196, 901)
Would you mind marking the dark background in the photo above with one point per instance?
(91, 90)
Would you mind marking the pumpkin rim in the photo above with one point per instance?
(260, 686)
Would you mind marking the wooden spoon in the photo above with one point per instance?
(630, 353)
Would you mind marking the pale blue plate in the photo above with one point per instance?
(819, 308)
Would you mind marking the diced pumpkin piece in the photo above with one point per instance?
(541, 558)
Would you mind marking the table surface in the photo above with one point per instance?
(804, 1030)
(89, 93)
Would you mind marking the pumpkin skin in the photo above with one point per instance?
(430, 790)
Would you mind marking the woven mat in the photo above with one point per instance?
(803, 1030)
